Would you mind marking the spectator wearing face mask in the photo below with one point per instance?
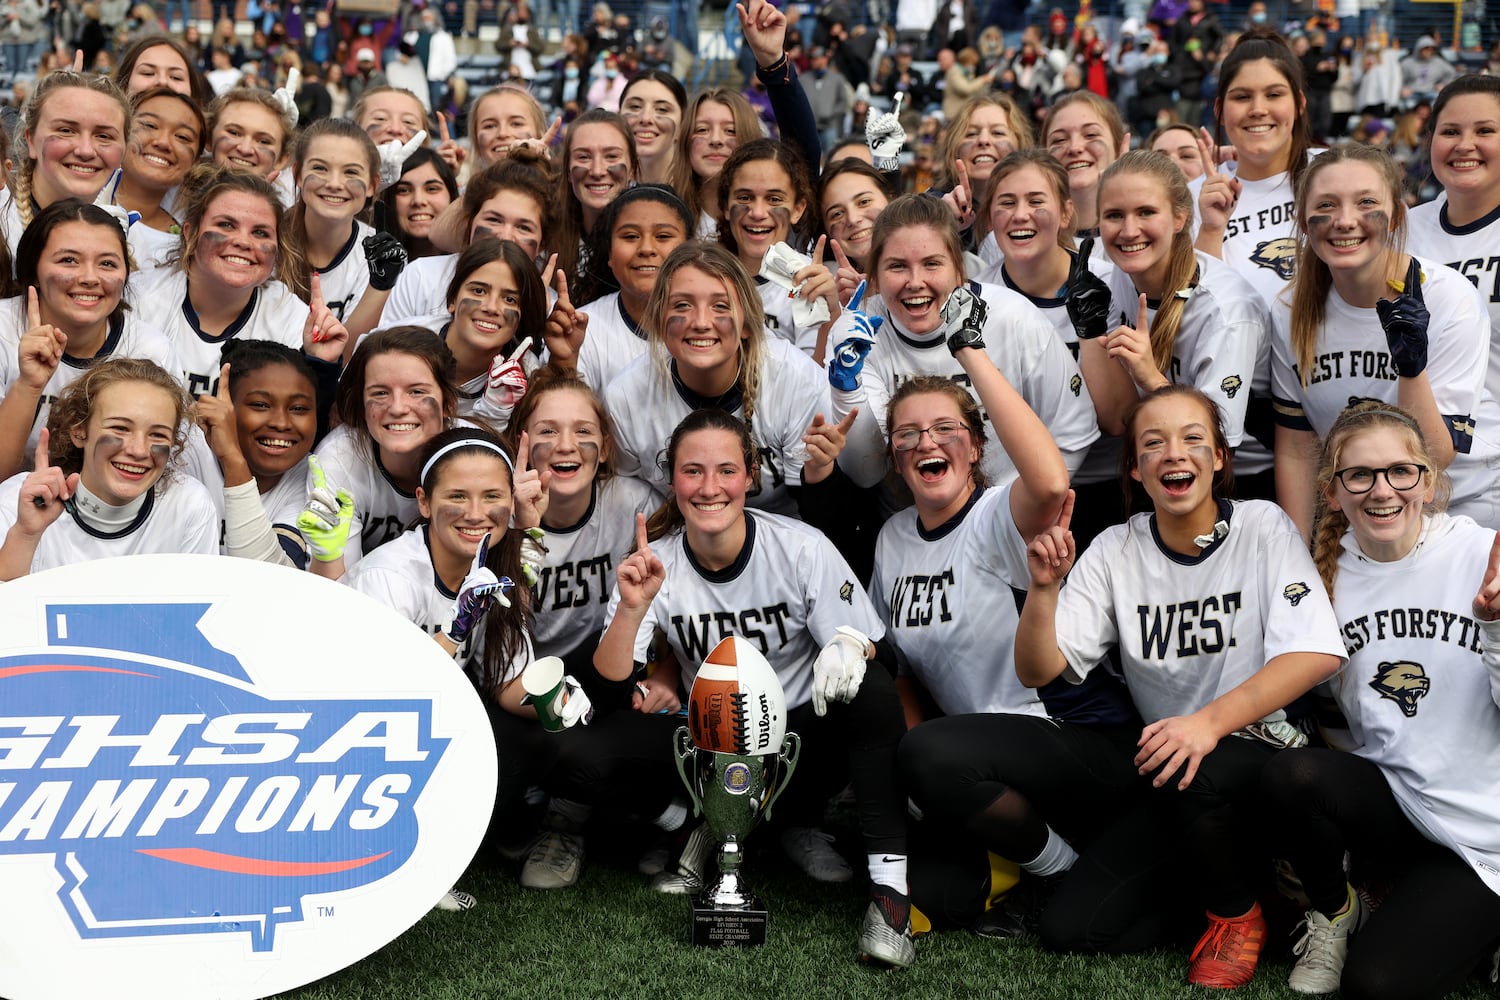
(608, 84)
(1154, 86)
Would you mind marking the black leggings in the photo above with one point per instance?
(1129, 888)
(1438, 921)
(854, 742)
(1006, 778)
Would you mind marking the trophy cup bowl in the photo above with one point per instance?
(735, 758)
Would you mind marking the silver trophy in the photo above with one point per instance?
(735, 758)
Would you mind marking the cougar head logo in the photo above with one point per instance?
(1231, 385)
(1294, 592)
(1278, 255)
(846, 592)
(1403, 682)
(1075, 383)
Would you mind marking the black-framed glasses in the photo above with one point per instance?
(1358, 479)
(942, 432)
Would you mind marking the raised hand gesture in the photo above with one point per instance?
(216, 416)
(41, 348)
(479, 591)
(1131, 347)
(530, 490)
(764, 28)
(43, 493)
(1220, 192)
(1050, 555)
(323, 336)
(1088, 296)
(1404, 320)
(566, 327)
(824, 441)
(641, 574)
(452, 153)
(507, 380)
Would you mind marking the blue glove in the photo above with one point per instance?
(852, 334)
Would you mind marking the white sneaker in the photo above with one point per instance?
(686, 873)
(882, 942)
(812, 851)
(554, 862)
(1324, 947)
(455, 901)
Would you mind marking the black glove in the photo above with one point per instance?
(386, 257)
(1088, 297)
(963, 318)
(1404, 321)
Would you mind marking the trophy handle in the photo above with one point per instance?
(791, 749)
(682, 752)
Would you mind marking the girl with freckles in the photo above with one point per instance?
(74, 128)
(1364, 320)
(626, 252)
(229, 280)
(597, 165)
(74, 265)
(336, 168)
(102, 483)
(1416, 804)
(987, 128)
(168, 134)
(1212, 693)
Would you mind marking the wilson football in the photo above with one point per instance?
(736, 704)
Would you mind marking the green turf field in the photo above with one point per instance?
(611, 937)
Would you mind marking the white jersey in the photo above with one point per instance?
(647, 406)
(151, 248)
(1102, 463)
(129, 338)
(344, 280)
(1260, 241)
(612, 342)
(1023, 345)
(1190, 629)
(10, 220)
(401, 577)
(1223, 348)
(420, 291)
(786, 593)
(273, 313)
(383, 511)
(177, 516)
(578, 573)
(1352, 363)
(948, 597)
(1474, 252)
(1421, 687)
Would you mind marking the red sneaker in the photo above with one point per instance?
(1228, 950)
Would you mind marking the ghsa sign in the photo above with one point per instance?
(220, 778)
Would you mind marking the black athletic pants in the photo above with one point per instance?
(1439, 919)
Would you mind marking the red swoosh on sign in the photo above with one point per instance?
(199, 858)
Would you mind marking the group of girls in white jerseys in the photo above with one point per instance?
(573, 419)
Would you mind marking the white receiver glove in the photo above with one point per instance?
(839, 668)
(393, 156)
(287, 96)
(577, 709)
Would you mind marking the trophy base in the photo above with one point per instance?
(733, 926)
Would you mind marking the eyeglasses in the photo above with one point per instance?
(1357, 479)
(942, 432)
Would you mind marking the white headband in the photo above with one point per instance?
(474, 442)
